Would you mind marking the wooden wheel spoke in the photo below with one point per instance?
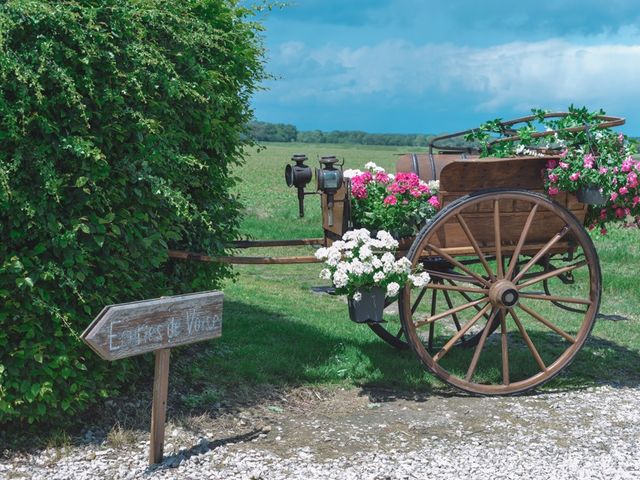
(476, 247)
(451, 311)
(555, 239)
(505, 348)
(456, 288)
(479, 347)
(399, 334)
(452, 341)
(546, 322)
(551, 274)
(467, 298)
(432, 326)
(462, 267)
(552, 298)
(528, 341)
(450, 305)
(418, 300)
(523, 237)
(454, 277)
(497, 236)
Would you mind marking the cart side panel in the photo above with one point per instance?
(464, 177)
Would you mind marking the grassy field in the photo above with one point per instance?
(277, 332)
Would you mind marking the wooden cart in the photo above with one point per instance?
(515, 279)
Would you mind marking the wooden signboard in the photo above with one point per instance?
(129, 329)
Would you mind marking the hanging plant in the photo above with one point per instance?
(595, 163)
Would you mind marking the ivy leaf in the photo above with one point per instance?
(38, 249)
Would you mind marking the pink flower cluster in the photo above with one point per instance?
(359, 184)
(588, 160)
(390, 200)
(397, 203)
(408, 182)
(621, 183)
(402, 183)
(622, 197)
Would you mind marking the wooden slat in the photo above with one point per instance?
(265, 260)
(159, 405)
(275, 243)
(475, 174)
(229, 259)
(339, 221)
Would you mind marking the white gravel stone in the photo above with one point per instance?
(591, 434)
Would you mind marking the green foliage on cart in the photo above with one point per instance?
(120, 123)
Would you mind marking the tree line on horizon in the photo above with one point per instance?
(282, 132)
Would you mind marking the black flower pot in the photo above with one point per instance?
(370, 308)
(591, 195)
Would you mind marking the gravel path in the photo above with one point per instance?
(356, 435)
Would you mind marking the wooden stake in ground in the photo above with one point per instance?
(129, 329)
(159, 405)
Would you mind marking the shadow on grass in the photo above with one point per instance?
(264, 347)
(599, 362)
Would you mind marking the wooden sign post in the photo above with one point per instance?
(129, 329)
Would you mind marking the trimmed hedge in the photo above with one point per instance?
(119, 122)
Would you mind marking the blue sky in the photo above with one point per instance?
(431, 66)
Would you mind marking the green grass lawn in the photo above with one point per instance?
(277, 332)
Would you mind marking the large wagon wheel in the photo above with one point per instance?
(494, 241)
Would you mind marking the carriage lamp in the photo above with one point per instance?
(298, 175)
(329, 181)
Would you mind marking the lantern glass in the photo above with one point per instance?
(331, 179)
(288, 175)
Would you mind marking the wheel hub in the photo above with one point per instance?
(503, 293)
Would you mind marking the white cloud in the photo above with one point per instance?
(290, 51)
(551, 73)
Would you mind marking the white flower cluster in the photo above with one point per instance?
(351, 172)
(361, 261)
(522, 150)
(420, 280)
(370, 167)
